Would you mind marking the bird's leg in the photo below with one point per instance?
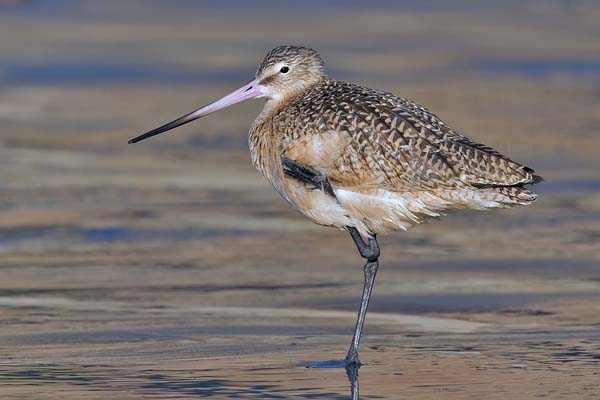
(306, 174)
(370, 252)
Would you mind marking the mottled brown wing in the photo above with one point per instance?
(399, 144)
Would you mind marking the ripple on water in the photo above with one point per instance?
(113, 233)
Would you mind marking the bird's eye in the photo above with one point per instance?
(284, 70)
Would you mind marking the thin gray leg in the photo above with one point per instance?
(371, 253)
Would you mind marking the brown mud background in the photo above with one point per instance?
(170, 268)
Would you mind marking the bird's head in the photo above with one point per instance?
(285, 71)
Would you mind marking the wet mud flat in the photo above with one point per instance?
(257, 363)
(282, 340)
(170, 269)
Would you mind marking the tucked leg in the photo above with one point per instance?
(369, 251)
(306, 174)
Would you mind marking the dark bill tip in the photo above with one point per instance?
(166, 127)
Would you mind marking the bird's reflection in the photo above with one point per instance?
(352, 373)
(264, 387)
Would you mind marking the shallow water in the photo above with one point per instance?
(425, 368)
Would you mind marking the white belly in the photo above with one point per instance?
(380, 211)
(374, 212)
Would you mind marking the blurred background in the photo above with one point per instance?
(165, 268)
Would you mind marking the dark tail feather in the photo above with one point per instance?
(536, 179)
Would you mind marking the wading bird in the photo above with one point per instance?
(363, 160)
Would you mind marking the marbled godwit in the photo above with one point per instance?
(362, 160)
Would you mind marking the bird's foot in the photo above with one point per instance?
(352, 360)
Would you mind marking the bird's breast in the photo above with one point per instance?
(265, 153)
